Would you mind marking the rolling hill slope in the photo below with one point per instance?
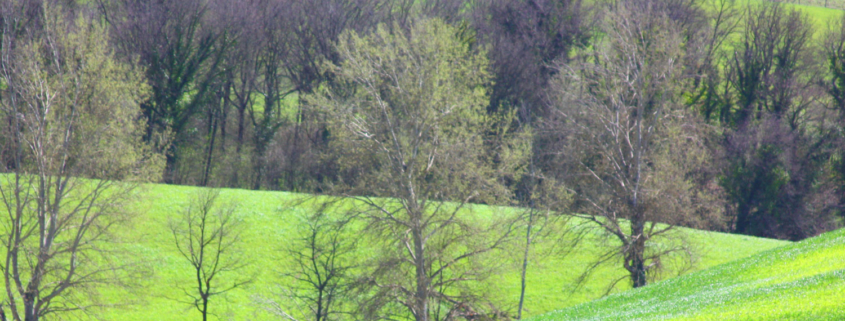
(269, 223)
(801, 281)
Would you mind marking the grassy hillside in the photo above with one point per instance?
(820, 17)
(802, 281)
(268, 223)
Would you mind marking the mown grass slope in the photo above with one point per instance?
(801, 281)
(269, 223)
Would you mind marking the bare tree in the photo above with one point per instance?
(208, 236)
(66, 102)
(631, 149)
(413, 123)
(322, 254)
(316, 286)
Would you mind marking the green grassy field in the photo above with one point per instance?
(801, 281)
(268, 225)
(821, 18)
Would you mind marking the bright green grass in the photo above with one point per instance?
(267, 228)
(550, 282)
(820, 17)
(802, 281)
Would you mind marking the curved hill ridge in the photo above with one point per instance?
(269, 222)
(800, 281)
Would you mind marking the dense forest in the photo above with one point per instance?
(632, 116)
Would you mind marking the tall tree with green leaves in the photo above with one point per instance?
(415, 136)
(72, 111)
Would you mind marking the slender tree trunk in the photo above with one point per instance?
(209, 156)
(421, 295)
(224, 116)
(241, 128)
(204, 308)
(525, 264)
(320, 305)
(30, 296)
(262, 138)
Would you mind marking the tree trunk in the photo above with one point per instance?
(421, 295)
(29, 307)
(525, 264)
(320, 305)
(637, 252)
(204, 309)
(263, 135)
(212, 131)
(241, 128)
(170, 165)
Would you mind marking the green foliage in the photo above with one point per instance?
(71, 112)
(415, 103)
(802, 281)
(70, 82)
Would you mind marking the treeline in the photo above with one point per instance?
(227, 80)
(227, 85)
